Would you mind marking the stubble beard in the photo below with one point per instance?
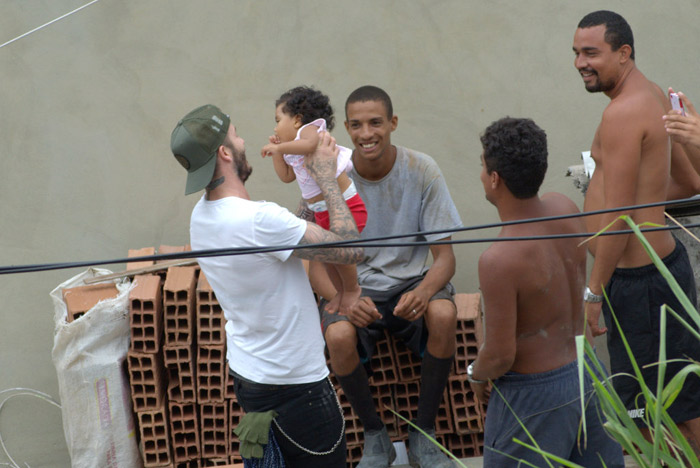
(600, 86)
(240, 163)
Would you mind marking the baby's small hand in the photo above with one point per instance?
(269, 150)
(274, 139)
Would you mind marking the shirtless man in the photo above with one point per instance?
(532, 312)
(632, 154)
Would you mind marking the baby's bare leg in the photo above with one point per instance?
(320, 282)
(333, 305)
(351, 290)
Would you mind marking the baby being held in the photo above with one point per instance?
(301, 114)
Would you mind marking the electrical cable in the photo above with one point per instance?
(21, 392)
(47, 24)
(371, 242)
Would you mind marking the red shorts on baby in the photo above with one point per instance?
(357, 209)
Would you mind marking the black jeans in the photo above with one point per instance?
(308, 413)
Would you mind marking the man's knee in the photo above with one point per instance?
(341, 337)
(441, 317)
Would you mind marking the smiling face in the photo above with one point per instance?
(286, 128)
(595, 60)
(370, 129)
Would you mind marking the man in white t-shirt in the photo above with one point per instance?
(273, 333)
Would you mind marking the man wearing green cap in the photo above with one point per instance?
(273, 333)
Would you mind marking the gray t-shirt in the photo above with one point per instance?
(412, 197)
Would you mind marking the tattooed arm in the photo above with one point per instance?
(322, 167)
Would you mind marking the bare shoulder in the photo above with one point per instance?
(500, 261)
(559, 203)
(640, 101)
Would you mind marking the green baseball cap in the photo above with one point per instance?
(195, 141)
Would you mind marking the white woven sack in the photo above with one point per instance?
(89, 355)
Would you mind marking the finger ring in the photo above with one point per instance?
(414, 312)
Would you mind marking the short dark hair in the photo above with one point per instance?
(309, 103)
(617, 30)
(370, 93)
(517, 150)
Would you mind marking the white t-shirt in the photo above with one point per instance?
(309, 187)
(273, 331)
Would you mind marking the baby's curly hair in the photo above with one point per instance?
(309, 103)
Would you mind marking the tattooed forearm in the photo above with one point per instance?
(322, 167)
(317, 235)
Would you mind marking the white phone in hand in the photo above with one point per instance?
(676, 103)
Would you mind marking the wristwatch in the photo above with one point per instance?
(588, 296)
(470, 372)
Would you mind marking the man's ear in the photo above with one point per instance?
(625, 51)
(495, 179)
(224, 153)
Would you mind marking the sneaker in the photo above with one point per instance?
(378, 452)
(423, 453)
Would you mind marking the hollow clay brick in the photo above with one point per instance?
(229, 393)
(211, 374)
(146, 380)
(221, 462)
(146, 314)
(383, 396)
(354, 455)
(144, 252)
(182, 384)
(407, 364)
(179, 305)
(466, 410)
(468, 332)
(214, 422)
(354, 434)
(465, 445)
(406, 396)
(210, 316)
(81, 299)
(382, 362)
(444, 423)
(468, 305)
(235, 413)
(184, 431)
(155, 440)
(168, 249)
(467, 347)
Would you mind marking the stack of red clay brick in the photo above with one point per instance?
(183, 397)
(395, 384)
(181, 393)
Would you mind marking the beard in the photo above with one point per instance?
(240, 164)
(599, 86)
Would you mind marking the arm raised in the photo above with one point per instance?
(322, 167)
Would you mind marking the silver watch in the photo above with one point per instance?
(588, 296)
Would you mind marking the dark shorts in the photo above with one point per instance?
(413, 333)
(308, 413)
(636, 296)
(548, 404)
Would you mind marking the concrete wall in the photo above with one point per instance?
(88, 105)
